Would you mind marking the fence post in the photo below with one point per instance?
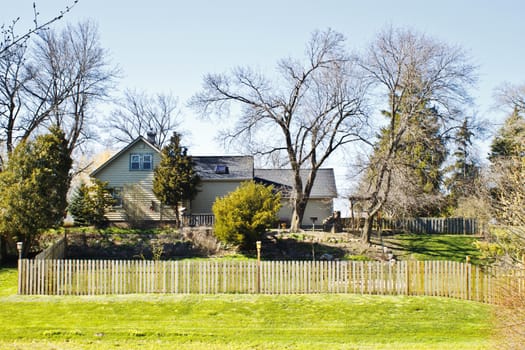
(19, 247)
(258, 246)
(467, 274)
(408, 277)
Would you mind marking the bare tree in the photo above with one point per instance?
(71, 72)
(12, 81)
(413, 73)
(11, 39)
(14, 76)
(139, 113)
(312, 109)
(512, 96)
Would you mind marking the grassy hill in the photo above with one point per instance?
(239, 321)
(255, 321)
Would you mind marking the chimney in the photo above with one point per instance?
(151, 135)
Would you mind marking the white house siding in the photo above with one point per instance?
(119, 173)
(137, 185)
(209, 191)
(321, 208)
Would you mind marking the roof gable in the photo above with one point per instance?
(138, 140)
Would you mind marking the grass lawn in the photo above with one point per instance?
(238, 321)
(434, 247)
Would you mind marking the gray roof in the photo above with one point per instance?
(238, 167)
(324, 184)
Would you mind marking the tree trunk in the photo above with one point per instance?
(367, 229)
(297, 216)
(177, 214)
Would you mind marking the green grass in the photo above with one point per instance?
(8, 281)
(434, 247)
(238, 321)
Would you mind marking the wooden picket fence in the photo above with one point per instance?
(101, 277)
(462, 226)
(459, 226)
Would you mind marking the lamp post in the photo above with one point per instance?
(20, 248)
(258, 246)
(314, 219)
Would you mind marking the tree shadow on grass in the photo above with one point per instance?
(433, 247)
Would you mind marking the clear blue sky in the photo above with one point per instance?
(167, 46)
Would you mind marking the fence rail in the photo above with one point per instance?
(198, 220)
(99, 277)
(56, 251)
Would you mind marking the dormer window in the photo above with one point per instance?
(222, 169)
(141, 161)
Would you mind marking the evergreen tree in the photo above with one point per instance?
(34, 186)
(465, 170)
(175, 178)
(89, 203)
(416, 164)
(510, 139)
(78, 207)
(507, 158)
(242, 216)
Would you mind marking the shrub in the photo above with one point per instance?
(242, 216)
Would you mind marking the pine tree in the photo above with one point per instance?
(416, 164)
(89, 203)
(78, 207)
(510, 139)
(175, 178)
(507, 158)
(465, 170)
(34, 187)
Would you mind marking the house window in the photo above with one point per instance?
(141, 162)
(135, 162)
(116, 193)
(222, 169)
(147, 161)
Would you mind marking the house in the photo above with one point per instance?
(129, 175)
(320, 203)
(219, 175)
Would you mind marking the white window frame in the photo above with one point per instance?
(135, 162)
(138, 162)
(149, 161)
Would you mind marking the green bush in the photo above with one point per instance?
(242, 216)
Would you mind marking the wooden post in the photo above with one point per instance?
(467, 274)
(19, 248)
(407, 277)
(258, 246)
